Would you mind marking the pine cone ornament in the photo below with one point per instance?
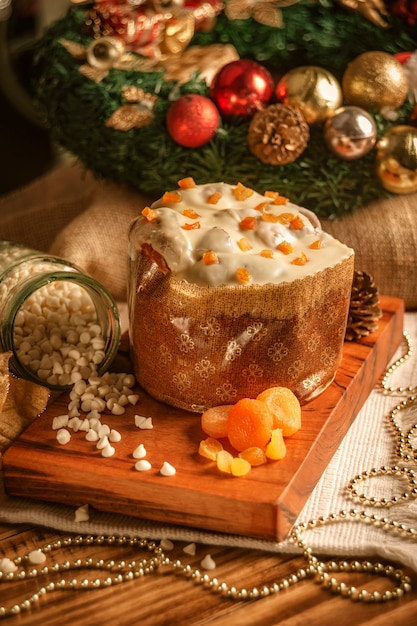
(364, 310)
(278, 134)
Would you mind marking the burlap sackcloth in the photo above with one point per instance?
(88, 206)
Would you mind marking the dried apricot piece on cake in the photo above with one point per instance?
(249, 424)
(285, 409)
(214, 421)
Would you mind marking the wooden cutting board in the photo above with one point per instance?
(263, 504)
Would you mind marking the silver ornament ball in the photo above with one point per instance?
(350, 133)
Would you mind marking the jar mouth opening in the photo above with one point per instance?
(92, 312)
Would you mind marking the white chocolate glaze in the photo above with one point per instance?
(184, 231)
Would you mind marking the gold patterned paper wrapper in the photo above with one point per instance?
(195, 347)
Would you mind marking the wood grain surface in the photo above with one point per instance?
(168, 599)
(263, 504)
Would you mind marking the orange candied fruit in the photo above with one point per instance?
(296, 223)
(276, 197)
(316, 245)
(193, 215)
(214, 198)
(241, 192)
(187, 183)
(262, 207)
(273, 218)
(210, 258)
(193, 226)
(300, 260)
(243, 276)
(267, 254)
(285, 247)
(248, 223)
(172, 197)
(150, 214)
(244, 244)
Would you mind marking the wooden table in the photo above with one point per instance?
(165, 598)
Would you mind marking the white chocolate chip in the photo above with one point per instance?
(167, 469)
(92, 435)
(82, 514)
(167, 544)
(144, 423)
(114, 436)
(108, 451)
(142, 465)
(190, 549)
(63, 436)
(7, 565)
(208, 562)
(102, 442)
(36, 557)
(61, 421)
(139, 452)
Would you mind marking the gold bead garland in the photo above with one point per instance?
(118, 572)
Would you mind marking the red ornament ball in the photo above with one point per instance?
(193, 120)
(242, 87)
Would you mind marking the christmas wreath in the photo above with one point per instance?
(315, 99)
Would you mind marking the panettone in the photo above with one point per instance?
(231, 292)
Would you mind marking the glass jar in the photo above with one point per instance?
(60, 324)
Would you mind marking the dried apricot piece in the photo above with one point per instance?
(214, 421)
(210, 448)
(267, 254)
(172, 197)
(316, 245)
(243, 276)
(241, 192)
(239, 467)
(254, 455)
(214, 197)
(248, 223)
(186, 183)
(296, 223)
(150, 214)
(244, 244)
(210, 257)
(285, 247)
(192, 226)
(249, 423)
(224, 461)
(300, 260)
(285, 409)
(190, 213)
(276, 448)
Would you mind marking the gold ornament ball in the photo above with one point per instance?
(350, 133)
(396, 160)
(104, 52)
(374, 81)
(313, 90)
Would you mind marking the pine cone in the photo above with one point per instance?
(278, 134)
(364, 310)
